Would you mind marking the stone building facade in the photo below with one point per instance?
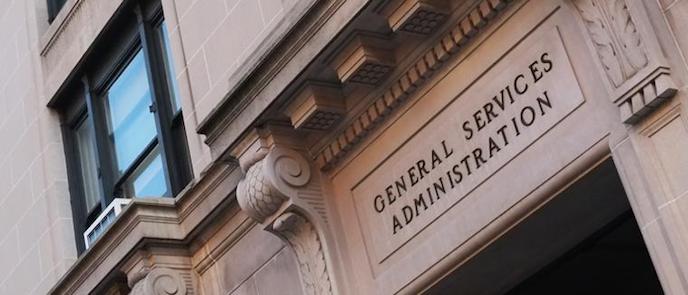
(344, 147)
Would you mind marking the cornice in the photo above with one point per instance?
(136, 215)
(246, 88)
(405, 84)
(163, 220)
(66, 41)
(57, 27)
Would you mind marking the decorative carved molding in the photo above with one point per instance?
(317, 106)
(302, 236)
(407, 83)
(616, 39)
(271, 181)
(283, 176)
(632, 62)
(417, 16)
(366, 59)
(161, 281)
(257, 196)
(69, 11)
(276, 173)
(648, 97)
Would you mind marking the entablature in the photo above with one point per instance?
(374, 61)
(391, 49)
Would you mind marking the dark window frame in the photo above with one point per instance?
(135, 28)
(54, 7)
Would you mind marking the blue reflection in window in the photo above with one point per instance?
(131, 124)
(150, 181)
(169, 67)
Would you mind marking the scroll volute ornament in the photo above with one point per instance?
(630, 55)
(280, 191)
(159, 281)
(272, 180)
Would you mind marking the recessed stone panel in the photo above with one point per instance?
(511, 105)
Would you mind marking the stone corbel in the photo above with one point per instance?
(159, 281)
(316, 106)
(160, 271)
(366, 58)
(281, 190)
(417, 16)
(630, 56)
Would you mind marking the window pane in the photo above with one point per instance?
(87, 163)
(54, 7)
(132, 125)
(169, 68)
(149, 179)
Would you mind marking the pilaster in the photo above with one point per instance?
(649, 146)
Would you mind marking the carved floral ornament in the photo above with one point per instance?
(623, 53)
(616, 39)
(301, 236)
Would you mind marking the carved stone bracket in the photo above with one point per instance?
(317, 106)
(160, 270)
(271, 181)
(629, 54)
(417, 16)
(366, 59)
(302, 236)
(395, 94)
(281, 191)
(159, 281)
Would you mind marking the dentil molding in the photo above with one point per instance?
(404, 85)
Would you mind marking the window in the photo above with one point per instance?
(54, 7)
(123, 125)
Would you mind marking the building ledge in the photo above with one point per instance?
(160, 221)
(260, 85)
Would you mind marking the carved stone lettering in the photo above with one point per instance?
(516, 101)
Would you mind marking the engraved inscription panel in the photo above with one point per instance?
(512, 104)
